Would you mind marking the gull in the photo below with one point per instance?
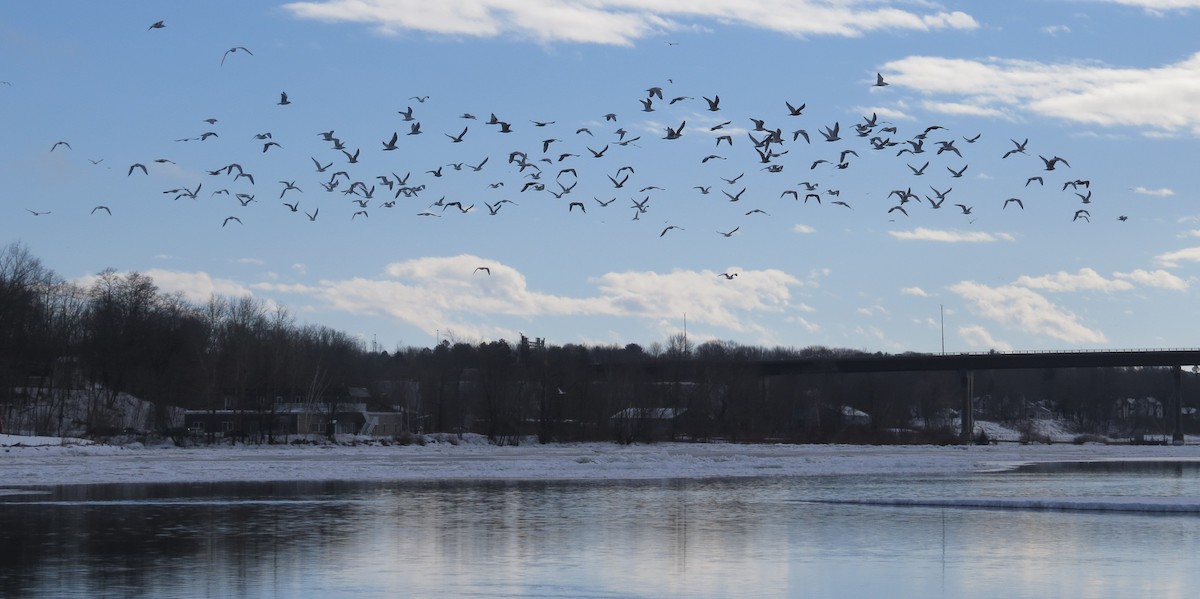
(641, 206)
(541, 123)
(612, 116)
(268, 145)
(245, 199)
(733, 180)
(1051, 162)
(391, 144)
(505, 127)
(798, 133)
(720, 126)
(321, 169)
(420, 99)
(485, 269)
(407, 114)
(729, 233)
(283, 99)
(479, 167)
(965, 209)
(290, 185)
(647, 105)
(794, 110)
(900, 208)
(713, 103)
(711, 157)
(958, 173)
(732, 197)
(60, 143)
(841, 203)
(1084, 214)
(673, 133)
(104, 208)
(704, 190)
(972, 140)
(918, 171)
(941, 195)
(229, 218)
(604, 204)
(156, 25)
(669, 227)
(831, 133)
(654, 91)
(95, 161)
(429, 214)
(137, 165)
(815, 196)
(1018, 201)
(1087, 199)
(36, 213)
(546, 144)
(597, 154)
(232, 50)
(792, 192)
(1122, 218)
(414, 129)
(293, 207)
(726, 138)
(1039, 181)
(572, 206)
(948, 146)
(618, 184)
(1019, 149)
(493, 209)
(467, 115)
(679, 99)
(879, 82)
(728, 276)
(362, 212)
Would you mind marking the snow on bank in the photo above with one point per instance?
(89, 464)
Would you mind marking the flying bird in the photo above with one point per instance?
(156, 25)
(485, 269)
(879, 82)
(229, 218)
(104, 208)
(728, 275)
(283, 99)
(233, 50)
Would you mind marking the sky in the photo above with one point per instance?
(1085, 113)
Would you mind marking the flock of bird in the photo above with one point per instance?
(614, 156)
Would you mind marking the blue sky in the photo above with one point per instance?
(1111, 87)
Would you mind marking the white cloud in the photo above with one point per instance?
(977, 337)
(448, 292)
(1056, 29)
(1158, 5)
(1154, 278)
(196, 287)
(803, 229)
(1172, 259)
(1081, 92)
(1086, 279)
(923, 234)
(1026, 310)
(915, 291)
(1161, 192)
(622, 22)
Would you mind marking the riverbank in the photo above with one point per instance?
(473, 458)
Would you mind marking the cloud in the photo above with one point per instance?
(1086, 279)
(1158, 5)
(622, 22)
(1080, 92)
(1154, 278)
(1056, 29)
(977, 337)
(1026, 310)
(915, 291)
(448, 292)
(803, 229)
(923, 234)
(1161, 192)
(196, 287)
(1172, 259)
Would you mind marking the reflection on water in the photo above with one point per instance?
(714, 538)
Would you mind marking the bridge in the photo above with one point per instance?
(969, 363)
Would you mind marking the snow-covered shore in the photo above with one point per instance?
(30, 464)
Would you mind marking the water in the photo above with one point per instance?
(843, 536)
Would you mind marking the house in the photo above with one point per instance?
(646, 424)
(1139, 407)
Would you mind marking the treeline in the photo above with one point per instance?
(122, 334)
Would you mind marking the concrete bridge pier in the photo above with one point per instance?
(967, 414)
(1177, 405)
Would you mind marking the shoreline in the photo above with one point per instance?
(53, 465)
